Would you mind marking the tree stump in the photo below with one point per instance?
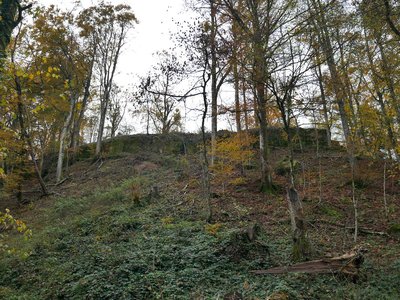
(301, 245)
(154, 193)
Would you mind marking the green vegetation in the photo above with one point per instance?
(107, 246)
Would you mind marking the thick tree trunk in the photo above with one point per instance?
(388, 16)
(301, 246)
(9, 19)
(266, 176)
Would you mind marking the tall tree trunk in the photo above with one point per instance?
(76, 130)
(63, 135)
(245, 106)
(237, 97)
(205, 162)
(103, 112)
(259, 79)
(236, 79)
(324, 106)
(213, 71)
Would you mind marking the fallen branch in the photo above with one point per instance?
(101, 164)
(93, 164)
(347, 264)
(59, 183)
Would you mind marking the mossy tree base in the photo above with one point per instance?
(301, 245)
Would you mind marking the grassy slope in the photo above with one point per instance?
(95, 242)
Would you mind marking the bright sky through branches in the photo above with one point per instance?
(156, 20)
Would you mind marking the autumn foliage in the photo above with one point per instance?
(233, 153)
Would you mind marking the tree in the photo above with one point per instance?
(261, 20)
(219, 66)
(107, 25)
(292, 65)
(19, 79)
(388, 17)
(10, 16)
(160, 93)
(320, 25)
(54, 39)
(8, 222)
(117, 108)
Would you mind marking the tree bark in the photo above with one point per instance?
(301, 247)
(63, 135)
(236, 76)
(10, 16)
(213, 71)
(388, 16)
(260, 97)
(324, 107)
(237, 97)
(245, 106)
(103, 112)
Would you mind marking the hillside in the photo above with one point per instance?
(132, 225)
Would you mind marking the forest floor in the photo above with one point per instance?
(105, 235)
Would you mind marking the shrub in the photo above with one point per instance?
(8, 222)
(231, 154)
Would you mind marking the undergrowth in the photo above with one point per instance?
(106, 246)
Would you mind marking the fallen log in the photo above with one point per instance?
(347, 264)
